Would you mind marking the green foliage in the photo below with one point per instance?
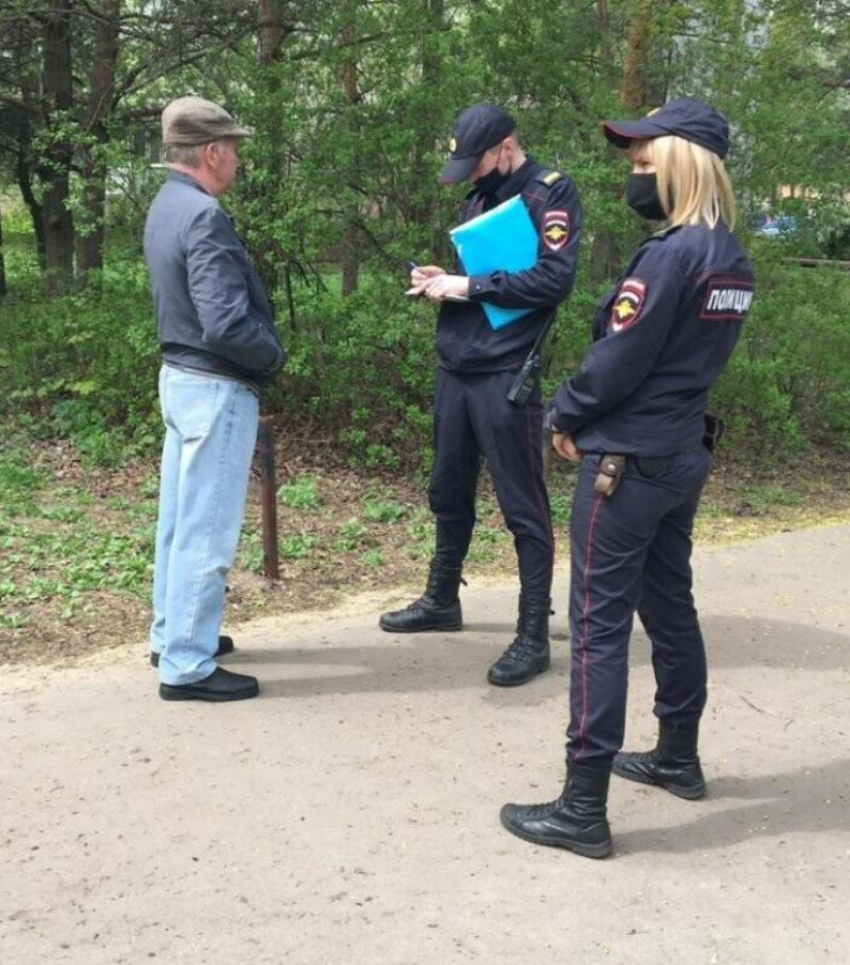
(373, 558)
(19, 481)
(379, 511)
(86, 363)
(297, 546)
(61, 554)
(250, 555)
(560, 507)
(301, 493)
(788, 383)
(338, 191)
(421, 535)
(352, 534)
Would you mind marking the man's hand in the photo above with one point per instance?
(442, 286)
(420, 276)
(565, 447)
(422, 273)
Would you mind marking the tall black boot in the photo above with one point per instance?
(673, 764)
(577, 820)
(528, 655)
(437, 609)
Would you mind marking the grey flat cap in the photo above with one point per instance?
(189, 121)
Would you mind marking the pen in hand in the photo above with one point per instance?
(414, 267)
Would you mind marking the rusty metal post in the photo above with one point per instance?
(268, 496)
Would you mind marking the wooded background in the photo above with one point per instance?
(352, 103)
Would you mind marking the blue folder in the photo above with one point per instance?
(503, 239)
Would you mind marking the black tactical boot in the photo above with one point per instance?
(577, 821)
(673, 764)
(528, 655)
(437, 609)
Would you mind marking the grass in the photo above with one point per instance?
(301, 493)
(55, 548)
(75, 542)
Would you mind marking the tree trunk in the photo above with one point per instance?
(2, 259)
(633, 87)
(24, 164)
(605, 251)
(603, 22)
(54, 168)
(275, 21)
(274, 24)
(24, 176)
(422, 210)
(349, 255)
(94, 168)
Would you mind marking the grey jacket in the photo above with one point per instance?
(212, 311)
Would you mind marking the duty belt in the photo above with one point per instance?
(612, 467)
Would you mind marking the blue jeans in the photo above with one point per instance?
(210, 432)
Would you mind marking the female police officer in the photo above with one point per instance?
(634, 416)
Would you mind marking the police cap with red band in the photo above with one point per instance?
(687, 117)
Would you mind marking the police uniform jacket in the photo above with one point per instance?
(212, 311)
(662, 336)
(465, 340)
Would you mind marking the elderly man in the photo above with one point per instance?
(219, 348)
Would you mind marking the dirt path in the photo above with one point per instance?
(350, 814)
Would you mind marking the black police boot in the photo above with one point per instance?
(528, 655)
(437, 609)
(673, 764)
(576, 821)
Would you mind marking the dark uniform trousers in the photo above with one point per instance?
(631, 552)
(472, 416)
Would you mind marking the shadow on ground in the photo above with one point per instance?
(810, 800)
(404, 664)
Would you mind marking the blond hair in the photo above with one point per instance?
(693, 185)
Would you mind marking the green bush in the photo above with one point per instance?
(788, 383)
(85, 363)
(361, 368)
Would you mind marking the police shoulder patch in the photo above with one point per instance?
(628, 303)
(556, 229)
(727, 299)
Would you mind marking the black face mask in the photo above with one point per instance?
(642, 196)
(492, 181)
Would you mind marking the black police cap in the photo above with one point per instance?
(478, 128)
(687, 117)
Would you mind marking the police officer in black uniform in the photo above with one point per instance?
(477, 369)
(635, 417)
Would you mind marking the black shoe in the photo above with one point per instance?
(673, 764)
(576, 821)
(437, 609)
(219, 686)
(225, 646)
(528, 655)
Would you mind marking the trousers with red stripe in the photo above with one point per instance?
(473, 418)
(630, 553)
